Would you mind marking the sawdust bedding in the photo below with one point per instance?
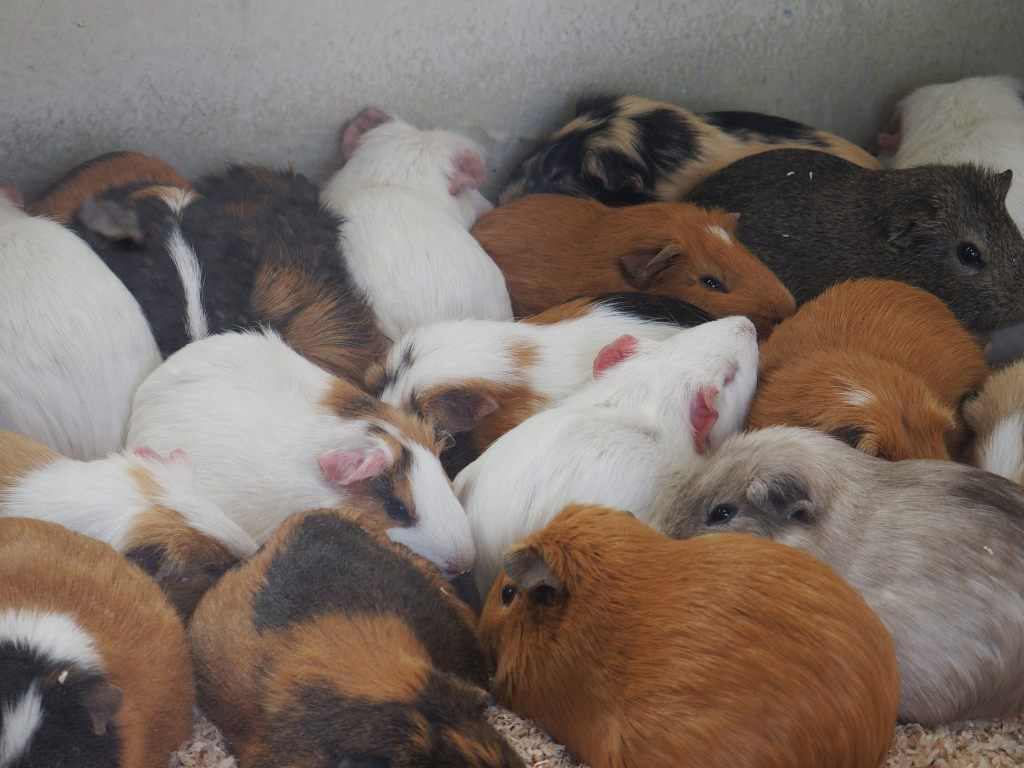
(978, 745)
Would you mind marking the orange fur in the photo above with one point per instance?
(716, 651)
(553, 248)
(20, 455)
(1000, 399)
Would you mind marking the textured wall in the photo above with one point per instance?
(198, 83)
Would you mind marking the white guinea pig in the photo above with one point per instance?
(271, 434)
(653, 409)
(74, 343)
(408, 198)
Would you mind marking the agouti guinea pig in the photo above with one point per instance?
(878, 363)
(94, 664)
(271, 435)
(477, 379)
(996, 419)
(74, 344)
(654, 408)
(408, 198)
(334, 646)
(628, 149)
(635, 650)
(553, 248)
(817, 220)
(144, 505)
(936, 548)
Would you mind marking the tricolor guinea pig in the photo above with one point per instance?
(878, 363)
(474, 380)
(555, 247)
(624, 150)
(408, 198)
(94, 664)
(334, 646)
(74, 343)
(636, 650)
(936, 548)
(271, 435)
(653, 410)
(144, 505)
(816, 220)
(996, 419)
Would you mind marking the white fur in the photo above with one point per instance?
(20, 723)
(616, 443)
(74, 343)
(858, 397)
(56, 636)
(191, 275)
(248, 410)
(1003, 450)
(405, 238)
(714, 229)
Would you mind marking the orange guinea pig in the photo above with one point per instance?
(635, 650)
(553, 248)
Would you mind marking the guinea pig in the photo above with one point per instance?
(250, 247)
(144, 505)
(996, 419)
(271, 435)
(636, 650)
(653, 410)
(936, 548)
(816, 220)
(554, 247)
(334, 646)
(878, 363)
(624, 150)
(408, 198)
(74, 344)
(95, 668)
(477, 379)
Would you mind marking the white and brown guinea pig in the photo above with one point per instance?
(477, 379)
(880, 364)
(94, 663)
(408, 198)
(996, 419)
(714, 652)
(144, 505)
(74, 343)
(335, 647)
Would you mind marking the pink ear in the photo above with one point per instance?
(12, 193)
(177, 456)
(467, 171)
(343, 467)
(613, 354)
(145, 452)
(889, 139)
(180, 456)
(362, 123)
(703, 416)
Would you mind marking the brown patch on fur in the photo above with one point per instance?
(552, 248)
(706, 650)
(91, 179)
(569, 310)
(45, 567)
(1001, 398)
(20, 455)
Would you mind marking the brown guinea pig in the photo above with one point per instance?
(635, 650)
(996, 419)
(553, 248)
(94, 666)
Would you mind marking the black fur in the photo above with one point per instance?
(747, 126)
(654, 306)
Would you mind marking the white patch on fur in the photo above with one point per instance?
(56, 636)
(858, 397)
(191, 275)
(1003, 452)
(714, 229)
(177, 199)
(20, 723)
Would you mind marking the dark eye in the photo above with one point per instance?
(969, 255)
(397, 511)
(720, 515)
(713, 284)
(508, 594)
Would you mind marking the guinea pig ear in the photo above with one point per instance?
(612, 354)
(467, 171)
(850, 435)
(359, 125)
(641, 267)
(344, 466)
(527, 567)
(458, 410)
(102, 700)
(889, 139)
(703, 416)
(112, 220)
(614, 171)
(1003, 182)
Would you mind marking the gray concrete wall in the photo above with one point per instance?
(199, 83)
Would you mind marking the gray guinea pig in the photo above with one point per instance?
(815, 220)
(935, 548)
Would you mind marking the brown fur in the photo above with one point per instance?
(46, 567)
(119, 169)
(1001, 398)
(635, 650)
(350, 402)
(20, 455)
(569, 310)
(553, 248)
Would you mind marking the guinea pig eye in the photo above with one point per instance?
(969, 255)
(720, 515)
(713, 284)
(397, 511)
(508, 594)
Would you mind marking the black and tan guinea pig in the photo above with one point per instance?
(334, 646)
(94, 668)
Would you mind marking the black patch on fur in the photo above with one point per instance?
(754, 126)
(390, 377)
(654, 306)
(849, 435)
(976, 488)
(331, 565)
(458, 454)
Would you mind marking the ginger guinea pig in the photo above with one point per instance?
(94, 664)
(635, 650)
(996, 420)
(553, 248)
